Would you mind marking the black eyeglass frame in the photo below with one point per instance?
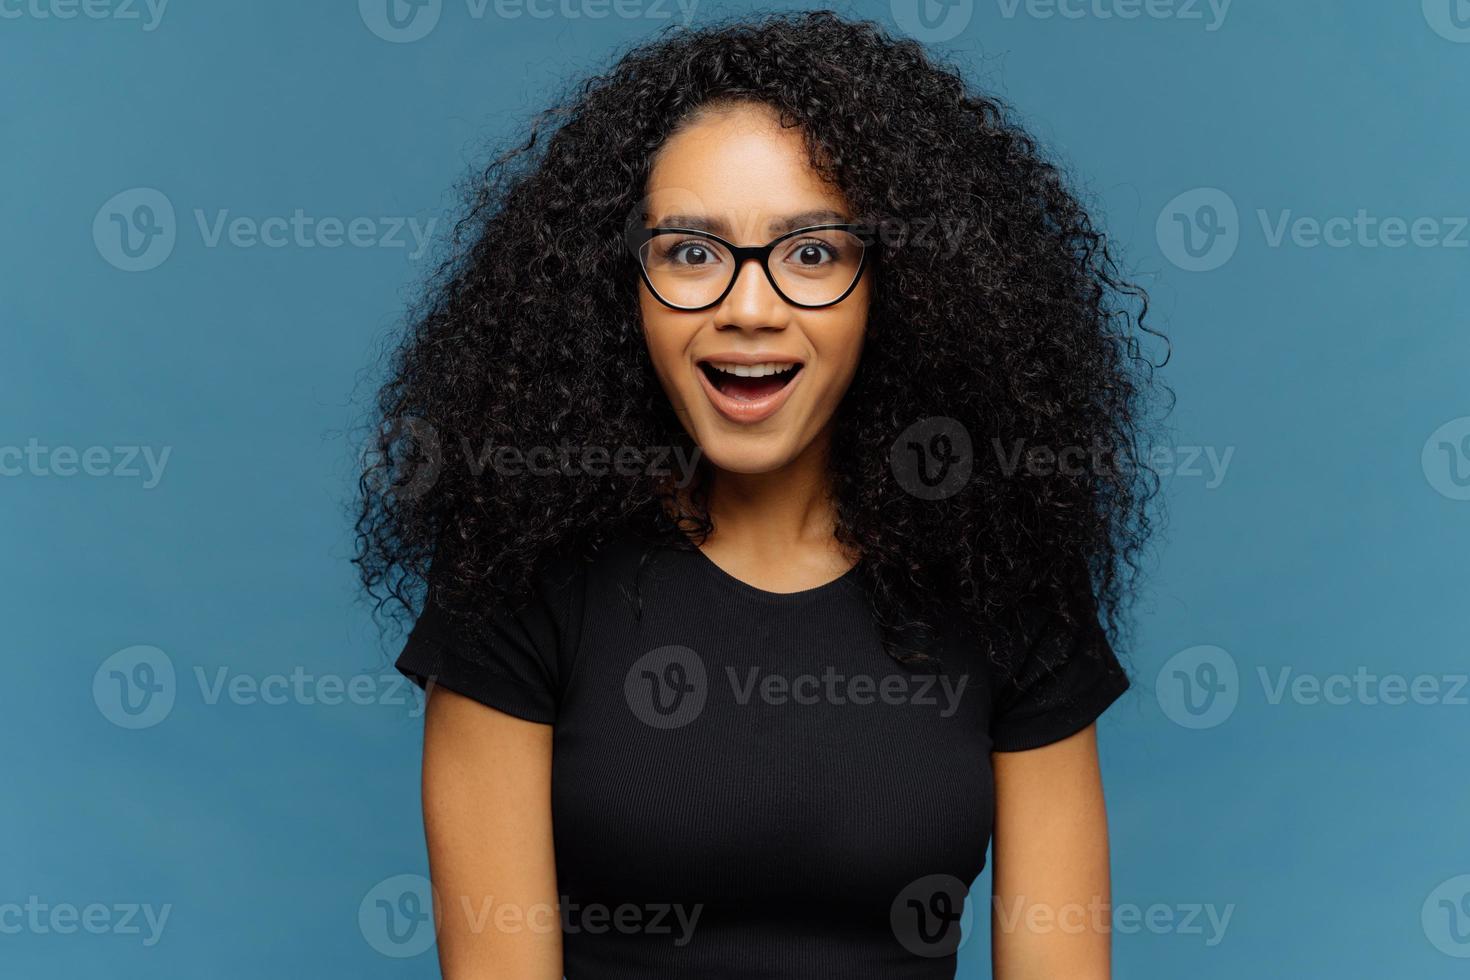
(743, 254)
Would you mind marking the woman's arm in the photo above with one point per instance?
(1051, 912)
(487, 815)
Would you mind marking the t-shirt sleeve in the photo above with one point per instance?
(511, 662)
(1063, 678)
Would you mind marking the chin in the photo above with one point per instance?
(726, 454)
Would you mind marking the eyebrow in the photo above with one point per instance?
(777, 226)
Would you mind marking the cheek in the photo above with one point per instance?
(841, 350)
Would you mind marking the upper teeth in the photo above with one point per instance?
(752, 370)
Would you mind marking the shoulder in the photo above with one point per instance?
(1056, 672)
(513, 643)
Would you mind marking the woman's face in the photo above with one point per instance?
(736, 173)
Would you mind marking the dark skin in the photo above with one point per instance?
(487, 775)
(768, 492)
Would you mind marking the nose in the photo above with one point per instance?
(752, 304)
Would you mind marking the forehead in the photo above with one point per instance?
(739, 168)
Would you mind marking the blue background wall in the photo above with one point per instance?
(1332, 543)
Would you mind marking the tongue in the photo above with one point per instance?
(752, 389)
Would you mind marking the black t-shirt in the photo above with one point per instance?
(744, 783)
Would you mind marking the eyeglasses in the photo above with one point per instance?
(687, 269)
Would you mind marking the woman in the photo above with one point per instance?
(763, 470)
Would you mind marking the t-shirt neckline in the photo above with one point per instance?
(714, 571)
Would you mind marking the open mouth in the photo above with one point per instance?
(749, 382)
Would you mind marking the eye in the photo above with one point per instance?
(812, 253)
(692, 252)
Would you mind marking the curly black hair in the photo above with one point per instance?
(1020, 329)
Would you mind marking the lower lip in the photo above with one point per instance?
(746, 411)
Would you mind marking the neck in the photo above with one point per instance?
(775, 512)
